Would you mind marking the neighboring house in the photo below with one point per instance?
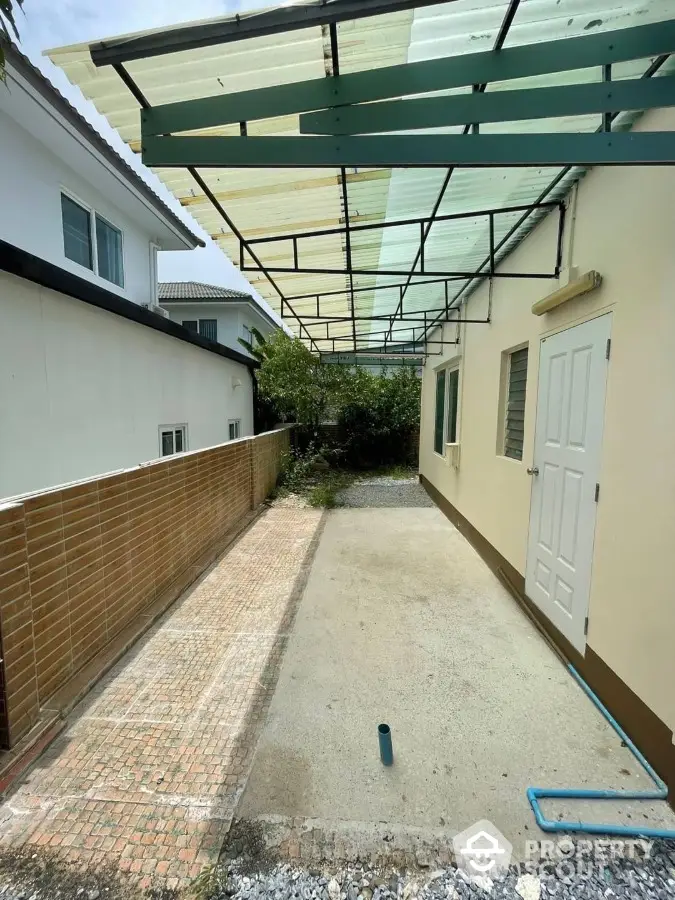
(549, 438)
(218, 313)
(91, 378)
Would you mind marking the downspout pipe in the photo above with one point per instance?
(256, 400)
(535, 794)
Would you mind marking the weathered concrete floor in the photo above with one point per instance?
(153, 761)
(401, 622)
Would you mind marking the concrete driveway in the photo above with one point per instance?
(401, 622)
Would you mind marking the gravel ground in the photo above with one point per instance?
(652, 878)
(384, 491)
(35, 878)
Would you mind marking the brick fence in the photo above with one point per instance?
(79, 563)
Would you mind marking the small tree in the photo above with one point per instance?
(288, 377)
(294, 380)
(7, 27)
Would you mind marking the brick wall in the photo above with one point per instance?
(266, 454)
(18, 655)
(78, 564)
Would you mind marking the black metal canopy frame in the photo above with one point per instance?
(348, 114)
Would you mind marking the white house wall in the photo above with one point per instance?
(230, 317)
(624, 227)
(228, 322)
(84, 391)
(31, 180)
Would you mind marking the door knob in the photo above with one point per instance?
(533, 471)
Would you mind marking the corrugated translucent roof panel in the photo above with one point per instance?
(274, 202)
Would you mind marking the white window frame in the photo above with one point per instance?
(93, 212)
(437, 372)
(449, 369)
(454, 366)
(246, 333)
(180, 426)
(237, 424)
(199, 329)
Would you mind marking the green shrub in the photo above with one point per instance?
(379, 421)
(377, 414)
(298, 467)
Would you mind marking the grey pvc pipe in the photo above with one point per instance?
(386, 750)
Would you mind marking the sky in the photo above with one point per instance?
(44, 24)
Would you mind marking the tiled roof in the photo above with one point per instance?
(187, 291)
(43, 85)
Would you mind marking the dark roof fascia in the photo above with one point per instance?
(24, 264)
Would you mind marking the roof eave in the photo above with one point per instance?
(18, 61)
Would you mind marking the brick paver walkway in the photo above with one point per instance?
(151, 765)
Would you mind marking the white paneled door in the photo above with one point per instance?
(566, 473)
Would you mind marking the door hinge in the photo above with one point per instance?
(597, 492)
(586, 625)
(608, 348)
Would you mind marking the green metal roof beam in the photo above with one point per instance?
(470, 151)
(496, 106)
(390, 82)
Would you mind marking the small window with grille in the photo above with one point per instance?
(208, 328)
(514, 423)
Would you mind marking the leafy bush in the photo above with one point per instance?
(377, 414)
(298, 467)
(309, 473)
(380, 419)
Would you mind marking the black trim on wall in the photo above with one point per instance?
(32, 268)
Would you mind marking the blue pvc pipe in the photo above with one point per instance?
(534, 794)
(386, 750)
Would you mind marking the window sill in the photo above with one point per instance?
(90, 275)
(452, 455)
(509, 459)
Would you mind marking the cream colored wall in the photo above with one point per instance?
(624, 228)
